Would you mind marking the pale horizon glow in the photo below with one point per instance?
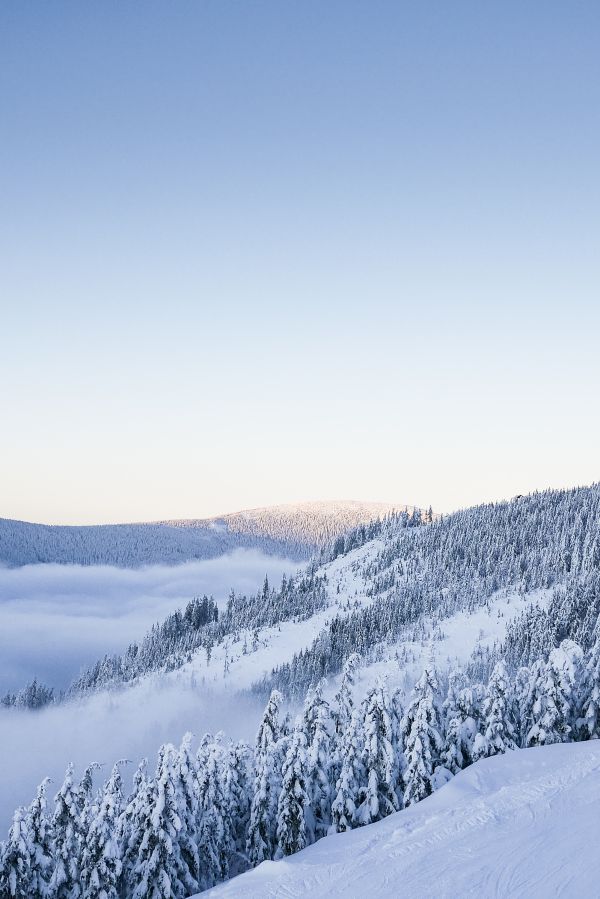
(266, 253)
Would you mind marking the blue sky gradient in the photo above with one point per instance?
(260, 252)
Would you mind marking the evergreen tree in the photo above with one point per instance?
(236, 779)
(215, 836)
(317, 726)
(267, 785)
(65, 882)
(378, 795)
(498, 731)
(554, 692)
(186, 791)
(294, 800)
(38, 829)
(132, 825)
(351, 777)
(344, 698)
(25, 859)
(423, 741)
(157, 872)
(16, 864)
(589, 723)
(101, 856)
(461, 712)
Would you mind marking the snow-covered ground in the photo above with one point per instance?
(524, 824)
(236, 666)
(204, 695)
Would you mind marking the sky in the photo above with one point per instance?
(266, 252)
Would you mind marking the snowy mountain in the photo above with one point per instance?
(291, 531)
(413, 656)
(523, 824)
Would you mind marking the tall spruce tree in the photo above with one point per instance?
(317, 726)
(267, 785)
(294, 801)
(498, 730)
(101, 856)
(65, 882)
(347, 800)
(378, 795)
(423, 740)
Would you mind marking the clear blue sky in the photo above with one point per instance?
(271, 251)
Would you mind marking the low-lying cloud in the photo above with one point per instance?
(130, 723)
(56, 619)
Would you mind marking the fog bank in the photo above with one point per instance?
(56, 619)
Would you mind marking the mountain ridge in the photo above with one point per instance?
(294, 530)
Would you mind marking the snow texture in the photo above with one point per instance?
(523, 824)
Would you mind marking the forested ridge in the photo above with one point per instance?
(202, 816)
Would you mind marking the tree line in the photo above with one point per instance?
(202, 817)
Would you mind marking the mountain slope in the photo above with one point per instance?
(524, 824)
(292, 531)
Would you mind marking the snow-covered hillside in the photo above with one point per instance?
(523, 824)
(508, 592)
(290, 531)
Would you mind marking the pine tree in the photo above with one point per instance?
(423, 741)
(554, 694)
(317, 726)
(186, 789)
(236, 779)
(214, 833)
(85, 799)
(158, 867)
(498, 731)
(351, 777)
(379, 792)
(522, 703)
(25, 860)
(588, 727)
(38, 828)
(344, 699)
(132, 825)
(267, 784)
(294, 800)
(460, 725)
(101, 856)
(16, 872)
(66, 840)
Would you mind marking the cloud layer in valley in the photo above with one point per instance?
(56, 619)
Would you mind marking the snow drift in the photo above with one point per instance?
(523, 824)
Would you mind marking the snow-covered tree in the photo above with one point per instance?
(498, 731)
(589, 722)
(554, 693)
(423, 740)
(267, 785)
(102, 850)
(461, 713)
(25, 860)
(317, 726)
(378, 795)
(186, 791)
(343, 704)
(216, 838)
(65, 882)
(348, 785)
(16, 862)
(159, 872)
(294, 801)
(132, 825)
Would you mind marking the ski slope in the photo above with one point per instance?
(525, 824)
